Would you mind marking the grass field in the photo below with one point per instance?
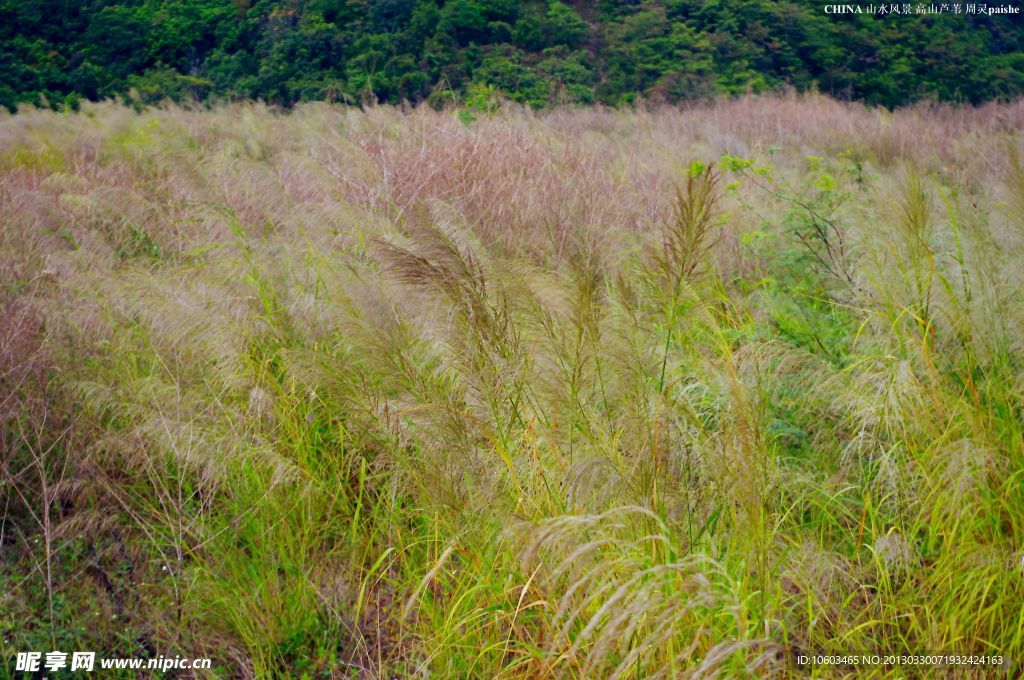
(582, 394)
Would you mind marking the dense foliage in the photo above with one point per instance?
(538, 52)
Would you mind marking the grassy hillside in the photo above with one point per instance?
(576, 394)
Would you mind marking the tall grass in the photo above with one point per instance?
(586, 393)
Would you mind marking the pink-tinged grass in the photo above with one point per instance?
(584, 393)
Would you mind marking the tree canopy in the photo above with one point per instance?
(538, 52)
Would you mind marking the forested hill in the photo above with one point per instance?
(538, 52)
